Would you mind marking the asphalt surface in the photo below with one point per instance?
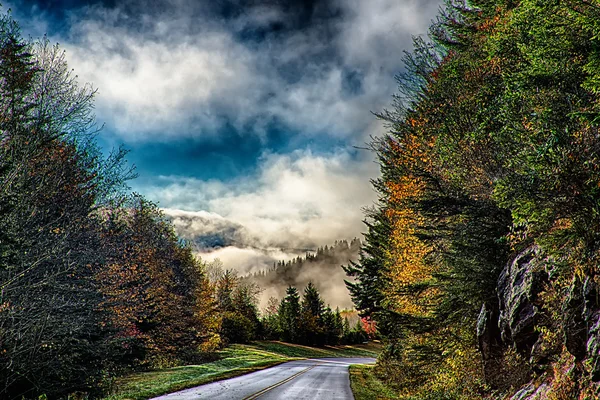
(314, 379)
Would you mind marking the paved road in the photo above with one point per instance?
(314, 379)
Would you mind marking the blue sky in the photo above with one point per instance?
(243, 117)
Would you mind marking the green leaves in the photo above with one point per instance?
(494, 145)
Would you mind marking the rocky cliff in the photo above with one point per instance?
(541, 338)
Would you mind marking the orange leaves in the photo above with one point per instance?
(488, 24)
(417, 122)
(369, 326)
(410, 157)
(404, 189)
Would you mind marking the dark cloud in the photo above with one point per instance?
(293, 14)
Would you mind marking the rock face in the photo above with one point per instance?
(514, 322)
(576, 333)
(581, 324)
(518, 287)
(490, 344)
(591, 321)
(593, 349)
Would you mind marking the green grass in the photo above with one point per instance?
(296, 350)
(234, 360)
(366, 386)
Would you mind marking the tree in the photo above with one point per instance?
(156, 293)
(289, 315)
(270, 320)
(311, 317)
(50, 333)
(492, 148)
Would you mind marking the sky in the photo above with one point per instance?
(246, 119)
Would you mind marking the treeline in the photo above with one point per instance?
(321, 267)
(294, 319)
(309, 321)
(93, 281)
(481, 258)
(291, 273)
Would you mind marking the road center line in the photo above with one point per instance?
(269, 388)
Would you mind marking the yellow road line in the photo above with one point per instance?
(331, 362)
(269, 388)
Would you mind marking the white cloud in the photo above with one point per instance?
(247, 260)
(296, 202)
(161, 86)
(168, 75)
(378, 31)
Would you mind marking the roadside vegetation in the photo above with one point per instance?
(366, 386)
(94, 282)
(480, 264)
(235, 360)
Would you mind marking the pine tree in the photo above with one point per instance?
(289, 315)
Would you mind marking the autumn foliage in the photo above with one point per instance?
(492, 149)
(93, 281)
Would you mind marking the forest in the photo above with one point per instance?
(479, 264)
(480, 261)
(321, 266)
(94, 281)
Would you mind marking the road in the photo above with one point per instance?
(313, 379)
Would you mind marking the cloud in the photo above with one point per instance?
(182, 71)
(376, 33)
(208, 231)
(248, 260)
(163, 86)
(295, 202)
(179, 70)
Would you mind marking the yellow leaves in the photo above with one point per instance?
(407, 253)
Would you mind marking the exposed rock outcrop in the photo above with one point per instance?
(575, 329)
(591, 320)
(519, 284)
(516, 321)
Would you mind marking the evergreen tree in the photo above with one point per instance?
(311, 321)
(289, 315)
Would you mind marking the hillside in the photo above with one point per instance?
(481, 259)
(323, 268)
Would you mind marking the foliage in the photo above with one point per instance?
(237, 304)
(289, 316)
(92, 281)
(492, 146)
(51, 339)
(146, 282)
(366, 386)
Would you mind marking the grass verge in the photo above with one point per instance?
(233, 361)
(299, 351)
(366, 386)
